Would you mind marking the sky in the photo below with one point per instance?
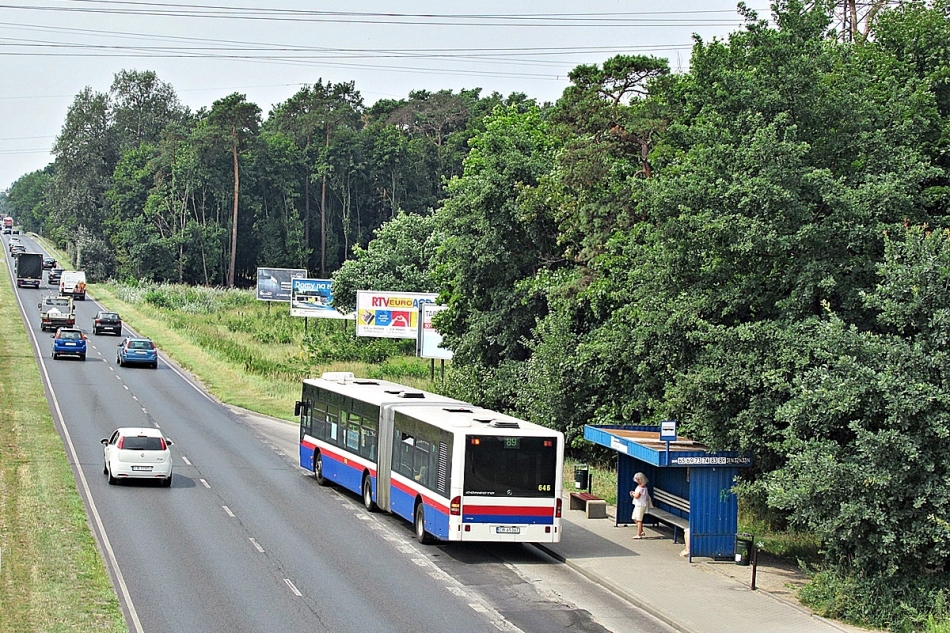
(50, 50)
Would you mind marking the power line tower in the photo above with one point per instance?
(854, 18)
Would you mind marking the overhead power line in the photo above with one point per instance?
(561, 20)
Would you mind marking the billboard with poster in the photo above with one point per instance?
(389, 314)
(274, 284)
(429, 341)
(314, 298)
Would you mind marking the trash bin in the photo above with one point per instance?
(581, 476)
(744, 544)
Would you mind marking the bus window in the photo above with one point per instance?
(420, 463)
(405, 446)
(353, 432)
(510, 466)
(333, 418)
(306, 420)
(353, 436)
(318, 419)
(368, 442)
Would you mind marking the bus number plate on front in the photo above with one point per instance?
(507, 529)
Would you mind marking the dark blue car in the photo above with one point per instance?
(137, 351)
(69, 341)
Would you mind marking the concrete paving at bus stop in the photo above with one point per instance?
(694, 597)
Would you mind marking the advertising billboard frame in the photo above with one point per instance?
(383, 314)
(274, 284)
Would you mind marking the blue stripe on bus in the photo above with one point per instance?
(508, 519)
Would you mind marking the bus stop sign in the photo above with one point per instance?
(668, 431)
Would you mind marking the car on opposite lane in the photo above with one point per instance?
(137, 351)
(69, 341)
(107, 322)
(137, 453)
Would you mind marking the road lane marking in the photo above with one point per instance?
(205, 484)
(227, 510)
(293, 588)
(256, 545)
(185, 459)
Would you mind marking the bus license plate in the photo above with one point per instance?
(507, 529)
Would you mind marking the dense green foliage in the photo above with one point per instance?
(758, 248)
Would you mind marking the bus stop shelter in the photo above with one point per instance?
(685, 480)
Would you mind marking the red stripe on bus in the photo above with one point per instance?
(347, 459)
(429, 501)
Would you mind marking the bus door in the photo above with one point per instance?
(384, 455)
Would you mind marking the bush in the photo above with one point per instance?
(908, 604)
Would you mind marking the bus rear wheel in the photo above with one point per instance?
(420, 524)
(318, 470)
(368, 494)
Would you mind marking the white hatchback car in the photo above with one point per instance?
(137, 453)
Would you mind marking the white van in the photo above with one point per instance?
(73, 284)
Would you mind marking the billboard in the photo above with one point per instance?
(314, 298)
(427, 345)
(389, 314)
(274, 284)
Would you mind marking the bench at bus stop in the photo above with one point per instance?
(668, 518)
(595, 507)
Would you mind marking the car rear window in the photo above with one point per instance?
(108, 315)
(139, 443)
(70, 334)
(140, 345)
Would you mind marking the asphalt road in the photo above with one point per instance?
(244, 540)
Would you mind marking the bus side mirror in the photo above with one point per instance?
(300, 406)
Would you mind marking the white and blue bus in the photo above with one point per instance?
(457, 472)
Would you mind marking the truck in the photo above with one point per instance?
(56, 312)
(29, 270)
(73, 284)
(7, 225)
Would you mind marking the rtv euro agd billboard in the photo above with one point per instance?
(389, 314)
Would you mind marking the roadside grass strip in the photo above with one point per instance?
(52, 577)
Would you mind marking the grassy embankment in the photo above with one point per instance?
(51, 575)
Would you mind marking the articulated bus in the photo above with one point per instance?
(457, 472)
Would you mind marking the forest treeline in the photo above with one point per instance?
(758, 248)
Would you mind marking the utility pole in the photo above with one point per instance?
(854, 18)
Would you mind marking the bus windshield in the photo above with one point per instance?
(510, 466)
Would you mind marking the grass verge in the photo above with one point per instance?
(51, 575)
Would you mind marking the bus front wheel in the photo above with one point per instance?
(368, 494)
(420, 523)
(318, 470)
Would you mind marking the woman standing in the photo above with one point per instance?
(641, 501)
